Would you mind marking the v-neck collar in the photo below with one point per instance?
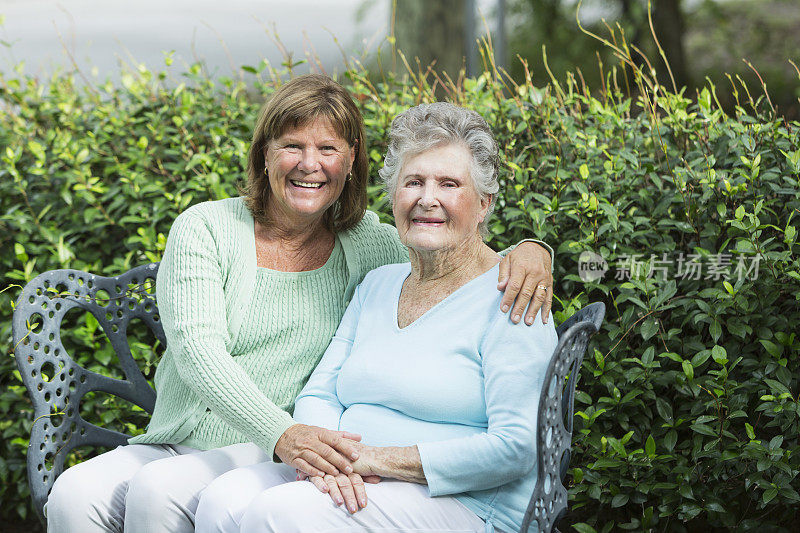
(443, 303)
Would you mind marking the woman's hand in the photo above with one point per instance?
(317, 451)
(369, 461)
(347, 489)
(525, 275)
(396, 462)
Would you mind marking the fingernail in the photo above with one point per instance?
(354, 456)
(362, 503)
(529, 321)
(517, 317)
(348, 469)
(352, 508)
(505, 309)
(339, 501)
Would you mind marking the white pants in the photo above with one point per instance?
(266, 497)
(140, 488)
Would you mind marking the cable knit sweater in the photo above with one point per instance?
(205, 287)
(292, 340)
(227, 375)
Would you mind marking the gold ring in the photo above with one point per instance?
(544, 287)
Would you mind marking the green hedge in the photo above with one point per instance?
(687, 414)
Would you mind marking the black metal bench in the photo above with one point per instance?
(114, 302)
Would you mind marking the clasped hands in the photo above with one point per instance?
(334, 461)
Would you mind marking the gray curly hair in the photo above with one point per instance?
(428, 126)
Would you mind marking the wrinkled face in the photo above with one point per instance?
(307, 168)
(436, 206)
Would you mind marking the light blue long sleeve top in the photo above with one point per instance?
(462, 382)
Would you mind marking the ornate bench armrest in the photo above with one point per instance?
(39, 352)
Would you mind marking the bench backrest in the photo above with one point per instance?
(554, 425)
(56, 383)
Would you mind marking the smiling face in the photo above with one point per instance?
(436, 206)
(307, 168)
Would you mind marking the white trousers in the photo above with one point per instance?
(265, 497)
(140, 488)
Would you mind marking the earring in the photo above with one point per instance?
(265, 172)
(349, 176)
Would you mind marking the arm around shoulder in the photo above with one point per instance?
(378, 243)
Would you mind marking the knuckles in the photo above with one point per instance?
(527, 293)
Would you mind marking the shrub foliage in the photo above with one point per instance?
(687, 414)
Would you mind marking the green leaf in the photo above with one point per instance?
(617, 446)
(650, 447)
(777, 386)
(740, 212)
(703, 430)
(728, 287)
(773, 349)
(649, 328)
(599, 359)
(648, 355)
(737, 327)
(700, 358)
(19, 252)
(704, 100)
(688, 369)
(715, 330)
(619, 500)
(584, 171)
(751, 434)
(627, 437)
(719, 354)
(769, 495)
(670, 439)
(672, 355)
(582, 527)
(664, 409)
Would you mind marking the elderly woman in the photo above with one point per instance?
(250, 292)
(438, 381)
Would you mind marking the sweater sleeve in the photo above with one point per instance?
(318, 403)
(384, 243)
(191, 302)
(514, 360)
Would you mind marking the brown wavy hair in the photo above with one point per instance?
(295, 104)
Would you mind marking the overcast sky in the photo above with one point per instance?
(100, 33)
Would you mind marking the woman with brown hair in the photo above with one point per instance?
(250, 292)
